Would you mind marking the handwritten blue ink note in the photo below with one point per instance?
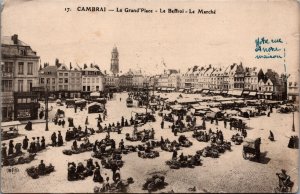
(268, 48)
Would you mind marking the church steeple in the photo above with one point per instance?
(114, 66)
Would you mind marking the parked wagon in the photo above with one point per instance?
(251, 148)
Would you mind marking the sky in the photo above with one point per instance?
(145, 41)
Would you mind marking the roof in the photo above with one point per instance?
(7, 40)
(62, 67)
(51, 68)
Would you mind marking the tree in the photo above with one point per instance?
(92, 65)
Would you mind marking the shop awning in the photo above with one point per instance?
(225, 92)
(205, 91)
(180, 90)
(227, 102)
(237, 92)
(163, 89)
(268, 93)
(230, 92)
(10, 123)
(260, 93)
(252, 93)
(246, 92)
(95, 94)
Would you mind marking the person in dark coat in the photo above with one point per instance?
(174, 154)
(291, 142)
(63, 122)
(43, 143)
(11, 147)
(4, 151)
(25, 143)
(32, 148)
(75, 147)
(225, 123)
(28, 126)
(97, 176)
(38, 145)
(121, 144)
(53, 139)
(122, 121)
(162, 124)
(59, 123)
(87, 120)
(60, 140)
(113, 144)
(271, 136)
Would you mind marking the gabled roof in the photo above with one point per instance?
(7, 40)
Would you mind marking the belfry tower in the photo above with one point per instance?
(114, 66)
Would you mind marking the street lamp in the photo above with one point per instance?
(293, 127)
(46, 108)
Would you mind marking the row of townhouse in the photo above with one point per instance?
(64, 82)
(233, 79)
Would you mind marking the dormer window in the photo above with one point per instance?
(22, 52)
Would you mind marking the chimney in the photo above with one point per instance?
(15, 38)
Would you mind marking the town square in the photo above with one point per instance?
(147, 100)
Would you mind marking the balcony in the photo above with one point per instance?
(7, 75)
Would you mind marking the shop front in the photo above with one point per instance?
(25, 106)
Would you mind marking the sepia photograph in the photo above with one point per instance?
(124, 96)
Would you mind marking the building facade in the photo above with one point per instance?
(19, 76)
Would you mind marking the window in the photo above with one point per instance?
(60, 80)
(88, 80)
(93, 80)
(6, 85)
(97, 88)
(88, 88)
(66, 80)
(7, 68)
(72, 74)
(53, 80)
(83, 88)
(48, 80)
(29, 68)
(42, 80)
(20, 85)
(22, 52)
(21, 68)
(66, 74)
(53, 88)
(60, 87)
(61, 74)
(66, 87)
(29, 85)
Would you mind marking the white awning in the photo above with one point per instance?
(10, 123)
(95, 94)
(252, 93)
(237, 92)
(268, 93)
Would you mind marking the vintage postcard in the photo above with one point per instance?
(183, 96)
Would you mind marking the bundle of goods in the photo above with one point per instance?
(154, 183)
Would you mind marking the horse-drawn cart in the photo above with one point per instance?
(251, 148)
